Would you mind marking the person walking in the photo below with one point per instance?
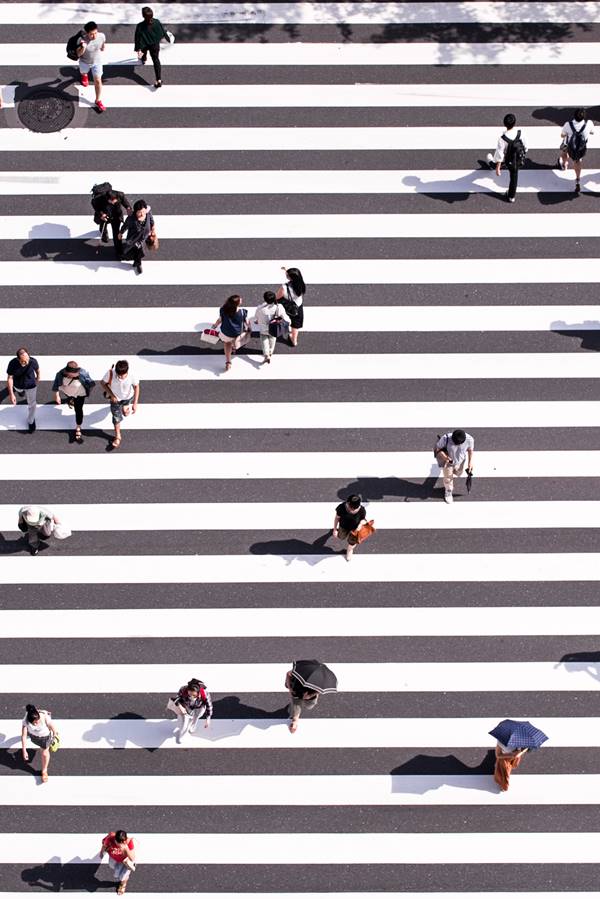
(39, 727)
(506, 761)
(301, 699)
(91, 46)
(35, 522)
(75, 383)
(120, 849)
(110, 208)
(268, 311)
(148, 35)
(510, 152)
(291, 293)
(23, 375)
(233, 326)
(122, 388)
(575, 135)
(137, 231)
(451, 451)
(192, 702)
(349, 516)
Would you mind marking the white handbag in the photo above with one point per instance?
(61, 531)
(170, 37)
(209, 335)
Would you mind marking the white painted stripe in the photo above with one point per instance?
(314, 848)
(342, 366)
(322, 271)
(315, 733)
(77, 140)
(299, 568)
(311, 416)
(456, 621)
(336, 319)
(385, 13)
(282, 516)
(331, 225)
(301, 790)
(218, 96)
(354, 677)
(308, 181)
(298, 466)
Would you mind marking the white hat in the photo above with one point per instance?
(32, 515)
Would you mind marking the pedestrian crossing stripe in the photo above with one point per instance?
(371, 621)
(315, 733)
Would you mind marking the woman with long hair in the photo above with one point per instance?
(232, 325)
(37, 725)
(191, 703)
(506, 761)
(148, 35)
(291, 293)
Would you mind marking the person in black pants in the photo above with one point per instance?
(505, 154)
(148, 35)
(137, 231)
(75, 383)
(110, 209)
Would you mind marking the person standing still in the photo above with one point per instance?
(349, 516)
(121, 856)
(122, 388)
(23, 375)
(91, 46)
(575, 135)
(38, 726)
(510, 151)
(451, 451)
(148, 35)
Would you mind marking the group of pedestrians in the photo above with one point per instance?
(511, 149)
(133, 227)
(87, 46)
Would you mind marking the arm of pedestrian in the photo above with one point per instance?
(57, 398)
(336, 522)
(136, 397)
(9, 387)
(24, 744)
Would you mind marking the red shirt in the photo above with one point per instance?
(115, 850)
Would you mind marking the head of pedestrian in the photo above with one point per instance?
(91, 30)
(294, 276)
(140, 208)
(509, 121)
(579, 115)
(71, 368)
(32, 515)
(353, 502)
(269, 297)
(121, 369)
(22, 355)
(231, 305)
(147, 13)
(121, 836)
(458, 436)
(33, 715)
(112, 197)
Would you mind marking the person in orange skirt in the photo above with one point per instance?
(506, 761)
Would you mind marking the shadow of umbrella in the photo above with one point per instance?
(424, 772)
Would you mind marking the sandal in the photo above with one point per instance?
(78, 437)
(44, 777)
(227, 366)
(293, 725)
(121, 889)
(116, 443)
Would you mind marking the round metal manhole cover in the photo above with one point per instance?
(46, 110)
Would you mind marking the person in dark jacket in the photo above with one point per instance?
(110, 209)
(148, 35)
(137, 230)
(301, 699)
(75, 383)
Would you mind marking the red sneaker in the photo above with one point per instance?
(85, 81)
(100, 105)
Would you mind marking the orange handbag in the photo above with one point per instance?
(364, 531)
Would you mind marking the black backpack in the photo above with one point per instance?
(99, 190)
(515, 151)
(577, 142)
(72, 45)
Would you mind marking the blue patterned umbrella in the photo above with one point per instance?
(518, 734)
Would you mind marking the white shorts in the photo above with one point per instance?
(96, 70)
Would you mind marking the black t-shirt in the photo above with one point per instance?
(349, 521)
(23, 376)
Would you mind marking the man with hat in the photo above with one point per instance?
(36, 522)
(75, 383)
(451, 451)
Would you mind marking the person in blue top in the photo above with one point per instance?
(233, 326)
(75, 383)
(23, 375)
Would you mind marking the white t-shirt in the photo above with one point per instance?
(457, 453)
(72, 386)
(294, 296)
(93, 54)
(502, 145)
(40, 729)
(588, 128)
(121, 387)
(266, 312)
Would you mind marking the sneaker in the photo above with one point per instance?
(448, 498)
(144, 58)
(85, 81)
(32, 427)
(104, 235)
(577, 187)
(138, 268)
(510, 199)
(490, 161)
(33, 550)
(100, 106)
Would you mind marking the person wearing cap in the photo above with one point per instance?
(75, 383)
(36, 522)
(451, 451)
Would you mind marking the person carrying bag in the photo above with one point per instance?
(272, 322)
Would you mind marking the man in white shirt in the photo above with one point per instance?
(452, 450)
(505, 154)
(575, 135)
(91, 46)
(122, 388)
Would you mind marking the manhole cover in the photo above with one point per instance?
(46, 110)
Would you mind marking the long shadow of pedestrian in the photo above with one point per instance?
(110, 734)
(294, 548)
(15, 761)
(590, 338)
(576, 662)
(378, 488)
(430, 772)
(9, 546)
(203, 359)
(54, 876)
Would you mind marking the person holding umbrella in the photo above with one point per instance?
(306, 681)
(515, 738)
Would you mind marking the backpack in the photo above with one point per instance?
(289, 304)
(72, 45)
(98, 190)
(515, 151)
(577, 142)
